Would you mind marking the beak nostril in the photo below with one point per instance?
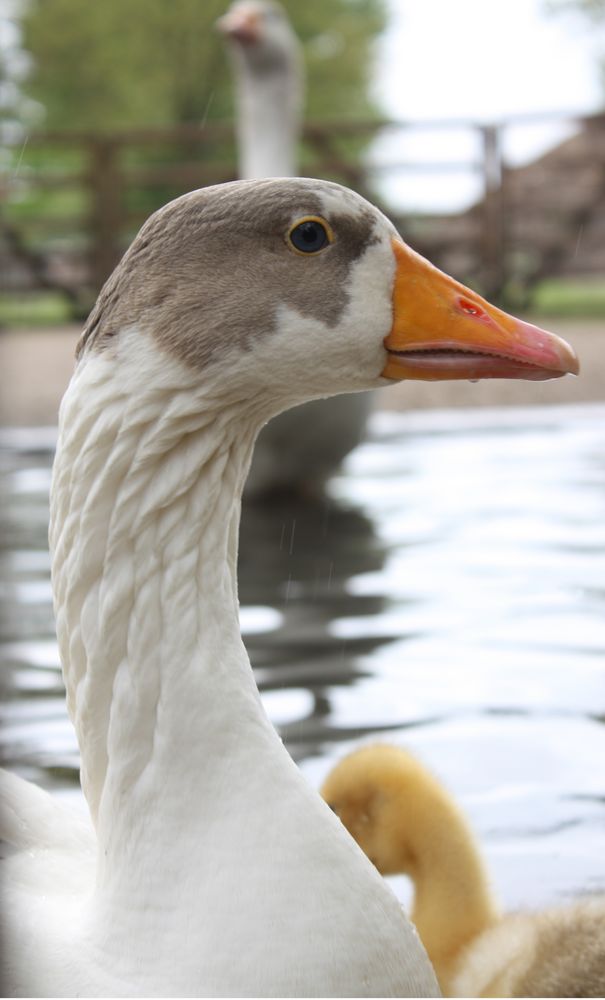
(469, 307)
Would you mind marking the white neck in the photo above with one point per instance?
(208, 836)
(144, 528)
(268, 120)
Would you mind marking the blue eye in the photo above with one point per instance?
(309, 236)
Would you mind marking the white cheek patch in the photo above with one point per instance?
(369, 314)
(371, 284)
(291, 363)
(311, 358)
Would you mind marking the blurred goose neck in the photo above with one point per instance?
(269, 118)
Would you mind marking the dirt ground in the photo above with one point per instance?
(35, 367)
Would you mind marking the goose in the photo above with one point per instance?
(209, 866)
(299, 450)
(267, 62)
(407, 822)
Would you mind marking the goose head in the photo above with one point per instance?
(268, 70)
(261, 31)
(283, 290)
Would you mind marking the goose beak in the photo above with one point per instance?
(442, 330)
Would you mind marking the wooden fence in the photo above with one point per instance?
(75, 199)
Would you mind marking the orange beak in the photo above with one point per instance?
(442, 330)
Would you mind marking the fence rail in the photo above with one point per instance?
(74, 199)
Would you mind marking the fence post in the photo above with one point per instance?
(106, 208)
(493, 269)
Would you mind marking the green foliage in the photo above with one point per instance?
(595, 9)
(570, 297)
(339, 38)
(33, 309)
(153, 62)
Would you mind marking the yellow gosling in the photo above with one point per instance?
(406, 822)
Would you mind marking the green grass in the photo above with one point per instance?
(33, 309)
(580, 298)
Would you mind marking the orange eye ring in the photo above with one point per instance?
(309, 236)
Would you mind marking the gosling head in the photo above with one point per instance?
(384, 798)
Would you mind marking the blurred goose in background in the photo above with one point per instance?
(298, 451)
(406, 822)
(268, 70)
(211, 867)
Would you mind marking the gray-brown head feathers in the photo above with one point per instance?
(207, 273)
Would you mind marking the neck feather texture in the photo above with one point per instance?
(220, 871)
(144, 527)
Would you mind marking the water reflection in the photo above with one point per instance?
(300, 556)
(448, 595)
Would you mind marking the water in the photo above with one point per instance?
(449, 596)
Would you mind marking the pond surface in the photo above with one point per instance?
(448, 596)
